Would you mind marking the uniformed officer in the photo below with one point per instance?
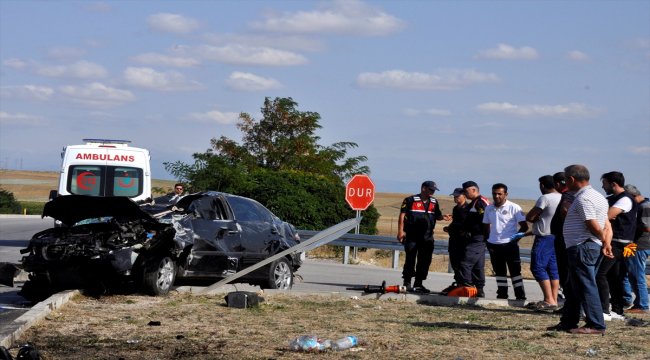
(417, 219)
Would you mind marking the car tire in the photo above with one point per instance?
(159, 276)
(280, 275)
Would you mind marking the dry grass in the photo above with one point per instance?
(202, 327)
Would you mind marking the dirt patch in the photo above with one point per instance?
(202, 327)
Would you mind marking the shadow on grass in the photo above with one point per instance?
(461, 326)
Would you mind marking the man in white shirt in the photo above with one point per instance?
(501, 220)
(543, 263)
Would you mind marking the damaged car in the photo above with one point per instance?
(107, 242)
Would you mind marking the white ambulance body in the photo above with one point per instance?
(103, 167)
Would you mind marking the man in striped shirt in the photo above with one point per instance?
(586, 234)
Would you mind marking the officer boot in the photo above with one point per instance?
(518, 285)
(502, 287)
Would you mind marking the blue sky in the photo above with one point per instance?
(491, 91)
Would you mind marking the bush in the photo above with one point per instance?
(8, 203)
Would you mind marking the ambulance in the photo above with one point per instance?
(105, 167)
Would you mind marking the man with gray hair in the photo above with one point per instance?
(636, 263)
(586, 234)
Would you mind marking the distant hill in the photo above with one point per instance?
(36, 185)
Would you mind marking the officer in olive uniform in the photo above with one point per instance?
(417, 219)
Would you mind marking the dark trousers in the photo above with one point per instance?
(504, 258)
(471, 270)
(456, 250)
(561, 258)
(418, 259)
(609, 278)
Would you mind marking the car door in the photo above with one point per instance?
(258, 229)
(217, 249)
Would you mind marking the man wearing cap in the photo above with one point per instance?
(417, 219)
(471, 271)
(457, 239)
(456, 247)
(636, 263)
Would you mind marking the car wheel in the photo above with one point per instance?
(280, 275)
(159, 276)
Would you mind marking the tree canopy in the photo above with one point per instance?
(281, 164)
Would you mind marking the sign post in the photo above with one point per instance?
(359, 194)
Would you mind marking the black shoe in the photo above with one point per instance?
(561, 327)
(500, 296)
(480, 293)
(419, 288)
(449, 288)
(521, 297)
(407, 283)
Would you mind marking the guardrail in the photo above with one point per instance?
(391, 243)
(386, 243)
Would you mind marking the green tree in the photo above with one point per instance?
(8, 203)
(281, 164)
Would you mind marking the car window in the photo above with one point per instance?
(127, 181)
(248, 210)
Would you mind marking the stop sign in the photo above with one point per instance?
(360, 192)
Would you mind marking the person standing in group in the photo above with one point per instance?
(557, 223)
(586, 234)
(636, 263)
(611, 272)
(543, 263)
(457, 238)
(471, 270)
(505, 224)
(417, 220)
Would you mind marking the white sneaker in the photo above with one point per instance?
(616, 316)
(607, 316)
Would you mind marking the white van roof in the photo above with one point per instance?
(106, 142)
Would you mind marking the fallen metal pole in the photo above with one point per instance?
(322, 238)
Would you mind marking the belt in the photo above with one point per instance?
(622, 241)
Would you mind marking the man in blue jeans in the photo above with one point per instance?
(636, 264)
(586, 233)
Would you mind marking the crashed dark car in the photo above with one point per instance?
(110, 241)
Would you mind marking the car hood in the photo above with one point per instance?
(71, 209)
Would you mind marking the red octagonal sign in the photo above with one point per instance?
(360, 192)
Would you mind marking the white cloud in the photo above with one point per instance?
(97, 95)
(172, 23)
(149, 78)
(296, 42)
(20, 119)
(247, 55)
(15, 63)
(165, 60)
(242, 81)
(79, 70)
(429, 112)
(441, 80)
(27, 92)
(64, 53)
(343, 17)
(215, 116)
(639, 150)
(526, 111)
(507, 52)
(576, 55)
